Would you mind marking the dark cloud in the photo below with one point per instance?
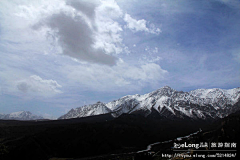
(76, 38)
(23, 87)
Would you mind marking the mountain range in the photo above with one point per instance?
(22, 115)
(168, 103)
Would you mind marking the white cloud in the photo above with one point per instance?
(109, 37)
(151, 55)
(150, 59)
(109, 9)
(140, 25)
(121, 77)
(36, 85)
(149, 72)
(155, 50)
(16, 24)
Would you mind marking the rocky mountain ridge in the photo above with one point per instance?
(21, 115)
(168, 103)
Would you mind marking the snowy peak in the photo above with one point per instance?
(219, 98)
(164, 91)
(196, 104)
(87, 110)
(21, 115)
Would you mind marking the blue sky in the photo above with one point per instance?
(57, 55)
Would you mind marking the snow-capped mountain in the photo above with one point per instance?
(167, 102)
(87, 110)
(22, 115)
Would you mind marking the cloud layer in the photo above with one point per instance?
(35, 84)
(120, 78)
(140, 25)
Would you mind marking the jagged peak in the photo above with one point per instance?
(99, 102)
(166, 90)
(166, 87)
(19, 113)
(71, 110)
(93, 104)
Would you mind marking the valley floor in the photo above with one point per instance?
(126, 137)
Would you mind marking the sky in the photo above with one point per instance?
(62, 54)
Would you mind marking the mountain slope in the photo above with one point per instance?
(169, 103)
(87, 110)
(22, 115)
